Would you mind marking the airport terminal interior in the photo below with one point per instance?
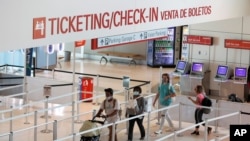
(53, 75)
(93, 68)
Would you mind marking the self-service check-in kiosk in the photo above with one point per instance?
(182, 68)
(199, 75)
(223, 73)
(236, 84)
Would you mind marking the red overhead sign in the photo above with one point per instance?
(237, 44)
(195, 39)
(80, 43)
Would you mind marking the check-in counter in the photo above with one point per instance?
(228, 87)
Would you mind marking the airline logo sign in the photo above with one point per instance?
(39, 28)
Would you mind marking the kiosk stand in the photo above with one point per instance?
(182, 68)
(223, 73)
(189, 82)
(199, 75)
(237, 85)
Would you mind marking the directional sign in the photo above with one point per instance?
(129, 38)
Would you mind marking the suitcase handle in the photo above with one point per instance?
(98, 121)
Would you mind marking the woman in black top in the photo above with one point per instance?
(140, 102)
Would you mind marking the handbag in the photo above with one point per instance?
(132, 107)
(173, 99)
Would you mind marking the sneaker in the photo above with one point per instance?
(158, 132)
(170, 129)
(195, 133)
(142, 138)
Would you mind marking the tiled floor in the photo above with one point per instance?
(63, 114)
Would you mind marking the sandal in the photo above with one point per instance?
(195, 133)
(209, 129)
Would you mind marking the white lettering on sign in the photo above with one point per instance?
(104, 20)
(240, 132)
(132, 37)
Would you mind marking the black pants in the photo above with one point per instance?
(198, 116)
(131, 127)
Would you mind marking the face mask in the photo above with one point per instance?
(108, 98)
(136, 93)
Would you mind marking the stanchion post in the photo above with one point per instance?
(158, 106)
(97, 91)
(216, 115)
(26, 102)
(158, 113)
(11, 115)
(11, 136)
(55, 130)
(77, 111)
(148, 126)
(73, 117)
(78, 104)
(174, 136)
(126, 97)
(113, 132)
(180, 119)
(206, 125)
(35, 124)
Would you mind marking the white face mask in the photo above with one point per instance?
(108, 98)
(136, 93)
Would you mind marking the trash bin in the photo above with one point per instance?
(67, 55)
(86, 88)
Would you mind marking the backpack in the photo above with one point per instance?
(208, 103)
(233, 97)
(114, 101)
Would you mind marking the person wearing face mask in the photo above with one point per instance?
(165, 92)
(138, 110)
(111, 107)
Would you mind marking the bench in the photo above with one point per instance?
(120, 55)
